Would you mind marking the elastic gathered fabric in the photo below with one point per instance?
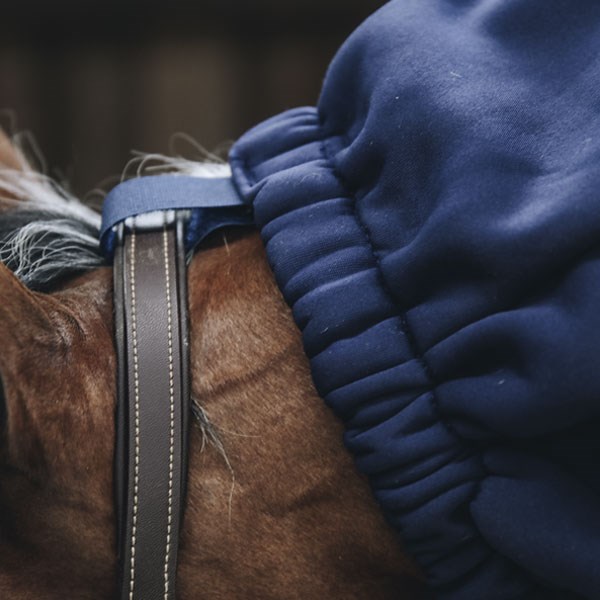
(434, 225)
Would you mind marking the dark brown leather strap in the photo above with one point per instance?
(153, 401)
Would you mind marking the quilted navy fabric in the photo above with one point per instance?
(435, 225)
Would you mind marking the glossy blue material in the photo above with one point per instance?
(435, 224)
(214, 203)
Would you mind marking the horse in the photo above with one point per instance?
(275, 507)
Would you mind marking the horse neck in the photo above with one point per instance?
(276, 493)
(274, 508)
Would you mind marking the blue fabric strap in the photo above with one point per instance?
(214, 203)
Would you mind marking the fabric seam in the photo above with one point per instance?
(405, 328)
(171, 413)
(137, 419)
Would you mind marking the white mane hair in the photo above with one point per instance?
(47, 234)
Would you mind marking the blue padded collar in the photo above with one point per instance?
(214, 203)
(434, 225)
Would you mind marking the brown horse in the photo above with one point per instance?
(275, 508)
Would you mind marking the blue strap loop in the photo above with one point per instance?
(213, 202)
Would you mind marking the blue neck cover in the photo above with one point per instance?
(434, 223)
(213, 202)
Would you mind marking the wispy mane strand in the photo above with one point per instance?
(47, 235)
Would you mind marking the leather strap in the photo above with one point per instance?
(153, 400)
(148, 224)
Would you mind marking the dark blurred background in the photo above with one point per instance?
(94, 79)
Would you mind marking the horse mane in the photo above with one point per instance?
(47, 235)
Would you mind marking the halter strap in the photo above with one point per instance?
(148, 225)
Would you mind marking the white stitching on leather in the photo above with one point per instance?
(172, 408)
(136, 380)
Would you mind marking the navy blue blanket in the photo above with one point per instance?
(435, 225)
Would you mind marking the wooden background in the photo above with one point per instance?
(93, 79)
